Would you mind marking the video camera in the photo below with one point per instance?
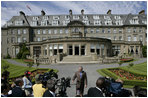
(112, 88)
(60, 84)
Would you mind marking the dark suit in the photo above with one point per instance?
(80, 81)
(18, 92)
(94, 92)
(47, 94)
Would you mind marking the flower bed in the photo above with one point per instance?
(128, 76)
(126, 59)
(28, 61)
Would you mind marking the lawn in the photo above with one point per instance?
(139, 69)
(16, 70)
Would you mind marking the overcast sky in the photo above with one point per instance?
(12, 8)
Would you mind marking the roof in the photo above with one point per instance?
(124, 19)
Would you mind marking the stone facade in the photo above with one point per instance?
(121, 35)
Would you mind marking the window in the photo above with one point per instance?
(103, 31)
(119, 22)
(97, 22)
(24, 31)
(129, 30)
(134, 21)
(44, 38)
(60, 48)
(134, 30)
(67, 17)
(98, 49)
(109, 30)
(49, 31)
(38, 32)
(76, 17)
(96, 17)
(13, 40)
(65, 22)
(61, 31)
(17, 23)
(97, 30)
(107, 17)
(120, 37)
(55, 17)
(45, 50)
(140, 30)
(70, 50)
(50, 50)
(44, 23)
(83, 50)
(55, 22)
(24, 39)
(34, 23)
(55, 31)
(92, 48)
(144, 21)
(117, 17)
(18, 39)
(38, 39)
(92, 31)
(45, 17)
(135, 38)
(115, 31)
(85, 17)
(13, 32)
(86, 22)
(44, 31)
(140, 38)
(17, 50)
(18, 31)
(120, 30)
(129, 38)
(66, 31)
(108, 22)
(115, 38)
(35, 18)
(132, 49)
(85, 30)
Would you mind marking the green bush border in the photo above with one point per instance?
(106, 72)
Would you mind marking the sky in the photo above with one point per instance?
(12, 8)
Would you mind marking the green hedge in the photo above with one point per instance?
(106, 72)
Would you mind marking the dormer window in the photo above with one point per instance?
(119, 22)
(85, 17)
(9, 23)
(55, 17)
(67, 17)
(76, 17)
(108, 22)
(107, 17)
(134, 20)
(35, 18)
(144, 21)
(44, 23)
(55, 22)
(86, 22)
(97, 22)
(65, 22)
(45, 17)
(19, 23)
(33, 23)
(96, 17)
(117, 17)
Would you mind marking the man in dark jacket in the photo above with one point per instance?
(81, 81)
(17, 90)
(96, 91)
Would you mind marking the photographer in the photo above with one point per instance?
(51, 89)
(96, 91)
(38, 90)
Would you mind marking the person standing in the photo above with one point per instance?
(27, 84)
(81, 81)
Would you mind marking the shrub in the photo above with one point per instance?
(5, 67)
(144, 51)
(19, 55)
(126, 59)
(8, 56)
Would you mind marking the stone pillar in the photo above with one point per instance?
(73, 48)
(47, 50)
(105, 50)
(31, 51)
(95, 49)
(57, 48)
(79, 50)
(52, 49)
(100, 50)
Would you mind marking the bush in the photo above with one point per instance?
(144, 51)
(8, 56)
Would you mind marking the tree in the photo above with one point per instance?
(120, 63)
(144, 51)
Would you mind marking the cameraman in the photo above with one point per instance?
(51, 89)
(96, 91)
(38, 90)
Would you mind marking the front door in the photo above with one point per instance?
(36, 51)
(76, 50)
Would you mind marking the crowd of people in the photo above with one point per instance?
(23, 87)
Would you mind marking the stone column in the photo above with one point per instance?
(52, 49)
(95, 49)
(57, 48)
(31, 51)
(73, 48)
(105, 50)
(47, 50)
(79, 50)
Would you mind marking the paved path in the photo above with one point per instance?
(66, 70)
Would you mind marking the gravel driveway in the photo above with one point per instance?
(66, 70)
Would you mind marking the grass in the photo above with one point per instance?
(16, 70)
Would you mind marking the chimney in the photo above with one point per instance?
(109, 11)
(22, 13)
(142, 12)
(43, 13)
(70, 12)
(82, 12)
